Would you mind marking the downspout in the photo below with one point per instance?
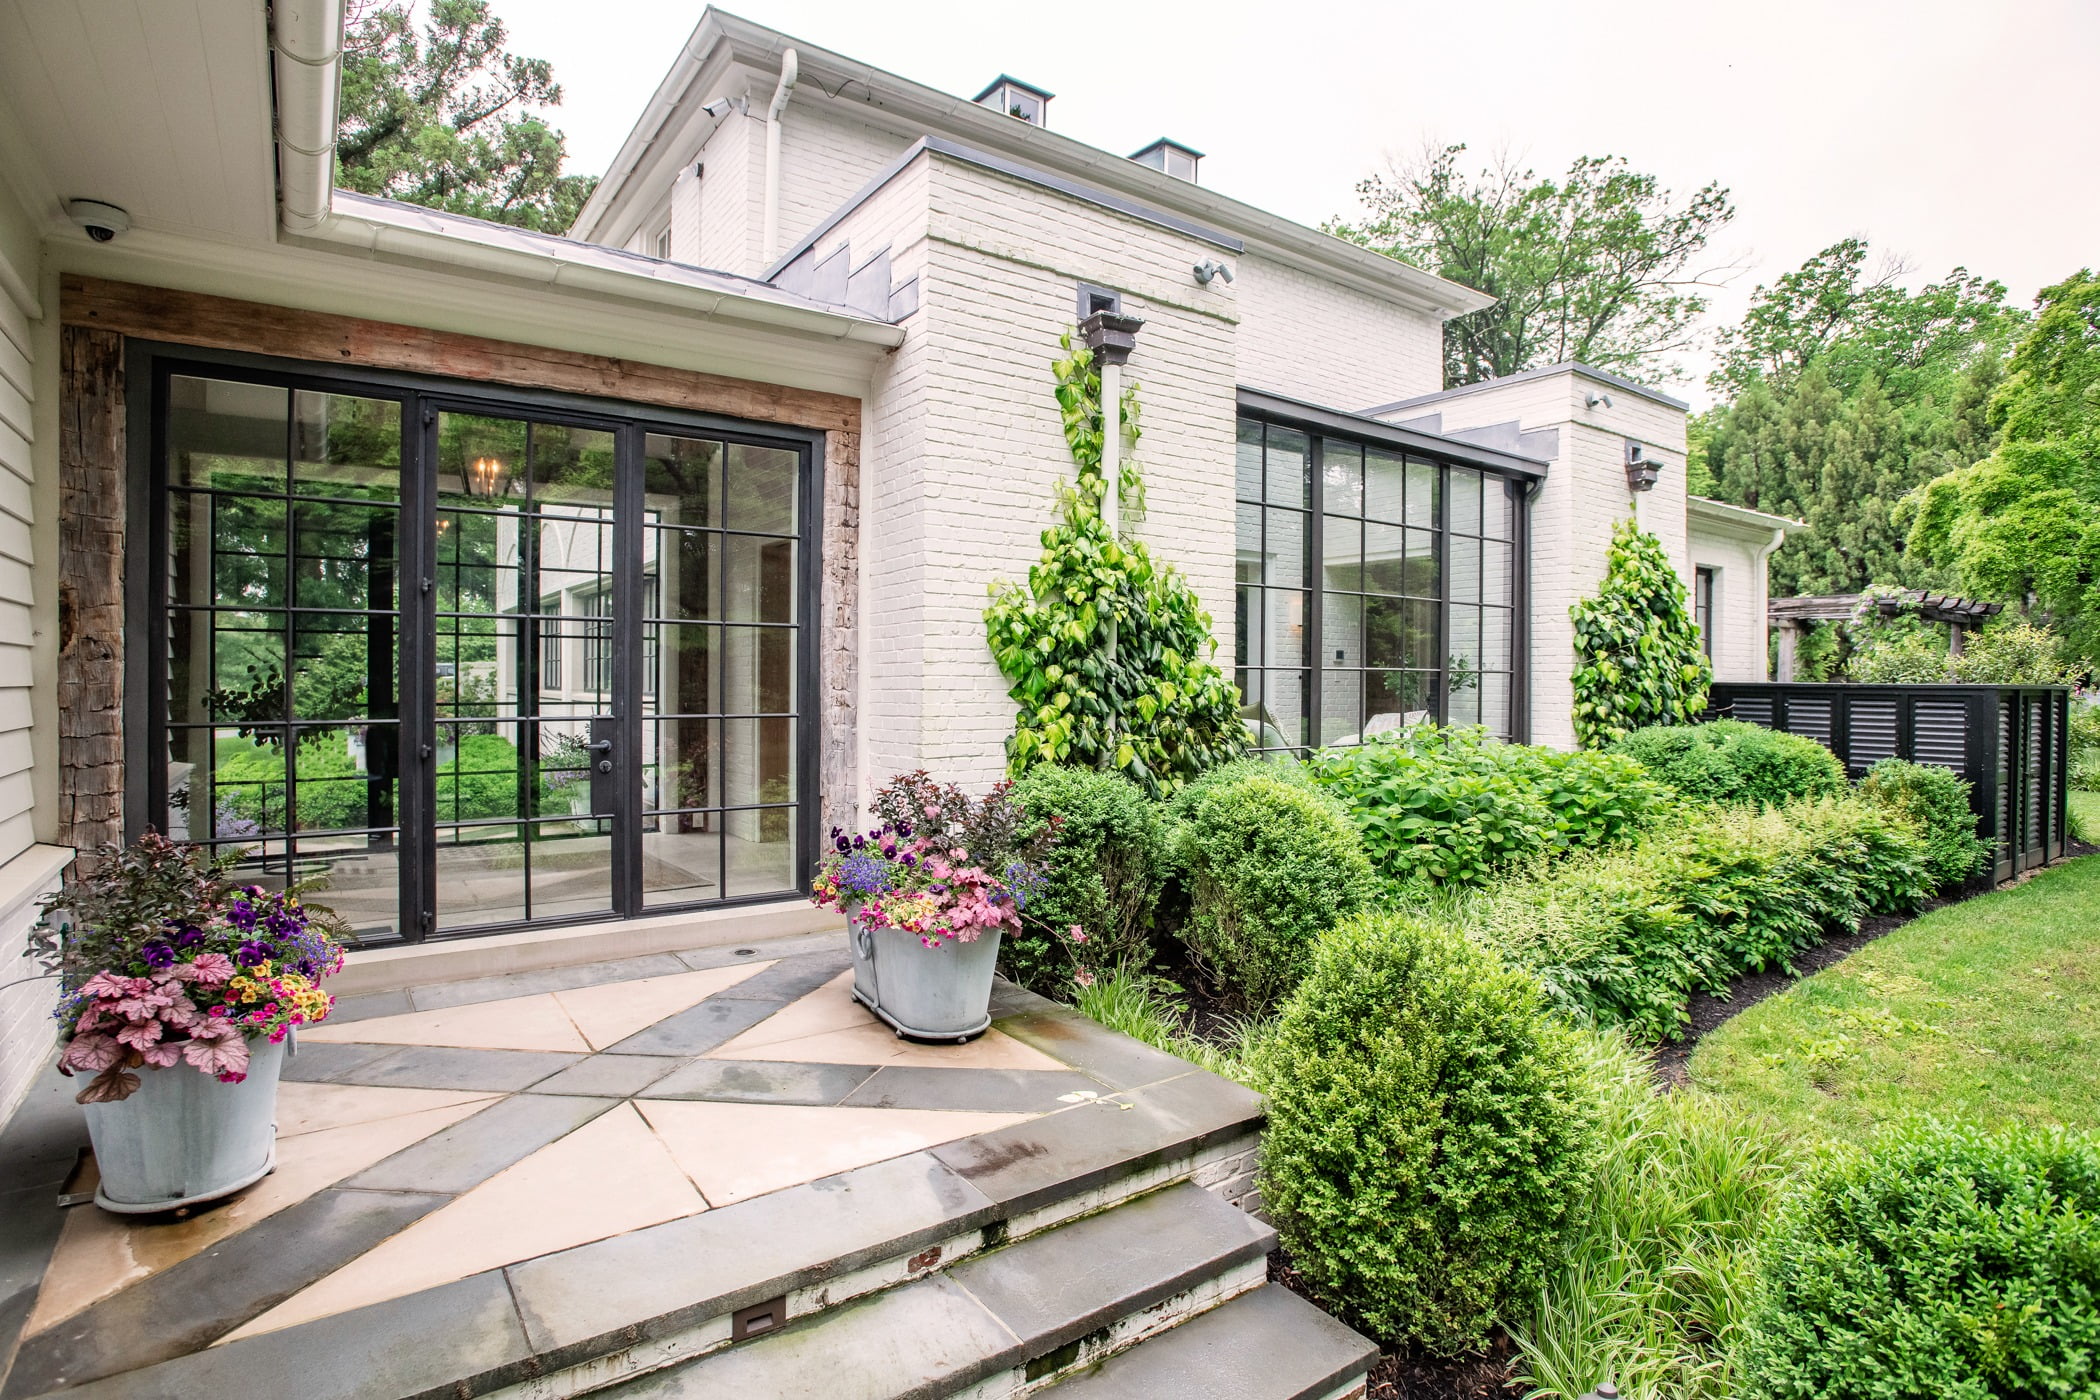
(789, 67)
(1764, 609)
(306, 52)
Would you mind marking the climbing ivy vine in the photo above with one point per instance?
(1638, 660)
(1108, 653)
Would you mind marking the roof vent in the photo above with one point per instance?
(1017, 99)
(1171, 156)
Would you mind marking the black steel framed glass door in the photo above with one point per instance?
(477, 663)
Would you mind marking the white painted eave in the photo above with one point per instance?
(1756, 523)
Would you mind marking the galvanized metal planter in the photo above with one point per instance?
(184, 1138)
(942, 993)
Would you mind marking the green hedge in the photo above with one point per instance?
(1730, 761)
(1268, 863)
(1430, 1131)
(1943, 1262)
(1936, 802)
(1103, 876)
(1452, 806)
(1624, 937)
(481, 781)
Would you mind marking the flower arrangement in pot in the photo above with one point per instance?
(928, 894)
(177, 992)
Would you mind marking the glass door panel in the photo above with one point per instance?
(523, 817)
(280, 698)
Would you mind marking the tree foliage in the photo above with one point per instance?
(444, 115)
(1638, 660)
(1602, 264)
(1848, 391)
(2023, 524)
(1108, 654)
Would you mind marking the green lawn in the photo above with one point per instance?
(1987, 1011)
(2085, 816)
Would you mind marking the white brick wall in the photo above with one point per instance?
(1740, 595)
(965, 449)
(826, 156)
(1314, 339)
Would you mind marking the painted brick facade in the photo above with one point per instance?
(1314, 339)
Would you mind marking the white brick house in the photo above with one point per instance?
(795, 357)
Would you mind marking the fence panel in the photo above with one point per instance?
(2009, 742)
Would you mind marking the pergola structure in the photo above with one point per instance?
(1960, 614)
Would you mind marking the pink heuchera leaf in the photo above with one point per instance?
(161, 1056)
(93, 1051)
(111, 1086)
(140, 1034)
(206, 970)
(222, 1054)
(109, 986)
(145, 1002)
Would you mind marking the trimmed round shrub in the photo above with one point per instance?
(1268, 863)
(1430, 1131)
(1945, 1261)
(1730, 761)
(1103, 876)
(1936, 802)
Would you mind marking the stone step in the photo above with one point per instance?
(1006, 1322)
(1265, 1344)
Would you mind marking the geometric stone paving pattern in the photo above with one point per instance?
(421, 1148)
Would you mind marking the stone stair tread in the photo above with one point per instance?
(1267, 1344)
(990, 1313)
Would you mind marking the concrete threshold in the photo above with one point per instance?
(409, 965)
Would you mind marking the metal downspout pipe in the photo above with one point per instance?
(790, 68)
(306, 53)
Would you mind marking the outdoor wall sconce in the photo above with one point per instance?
(488, 478)
(1210, 268)
(1641, 469)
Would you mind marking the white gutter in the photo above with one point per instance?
(381, 237)
(789, 68)
(306, 49)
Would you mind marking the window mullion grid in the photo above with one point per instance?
(1313, 578)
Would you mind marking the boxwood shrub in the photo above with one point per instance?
(1730, 761)
(1624, 937)
(1944, 1261)
(1430, 1130)
(1103, 876)
(1268, 863)
(1452, 806)
(1935, 801)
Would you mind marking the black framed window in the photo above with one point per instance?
(1376, 588)
(1703, 580)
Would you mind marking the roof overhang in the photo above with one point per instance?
(1617, 383)
(1260, 403)
(912, 110)
(1720, 517)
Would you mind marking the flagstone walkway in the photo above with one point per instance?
(433, 1140)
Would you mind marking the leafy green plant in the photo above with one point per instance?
(1623, 937)
(1107, 654)
(2013, 653)
(1936, 803)
(1638, 658)
(1102, 877)
(1142, 1006)
(1652, 1287)
(1269, 863)
(1452, 806)
(2085, 745)
(1726, 760)
(1942, 1261)
(1431, 1131)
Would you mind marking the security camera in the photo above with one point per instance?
(723, 106)
(103, 222)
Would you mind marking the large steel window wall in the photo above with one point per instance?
(1376, 588)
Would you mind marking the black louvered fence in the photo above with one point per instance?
(2008, 741)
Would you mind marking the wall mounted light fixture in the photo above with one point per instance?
(1210, 268)
(1641, 469)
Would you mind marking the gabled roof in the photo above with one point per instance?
(913, 109)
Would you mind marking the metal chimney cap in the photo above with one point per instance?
(1111, 335)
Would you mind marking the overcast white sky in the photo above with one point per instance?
(1950, 131)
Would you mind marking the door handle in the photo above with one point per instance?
(603, 748)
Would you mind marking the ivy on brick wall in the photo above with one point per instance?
(1638, 660)
(1108, 654)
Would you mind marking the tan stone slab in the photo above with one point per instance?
(829, 1027)
(610, 1012)
(516, 1023)
(304, 1107)
(734, 1151)
(608, 1177)
(99, 1253)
